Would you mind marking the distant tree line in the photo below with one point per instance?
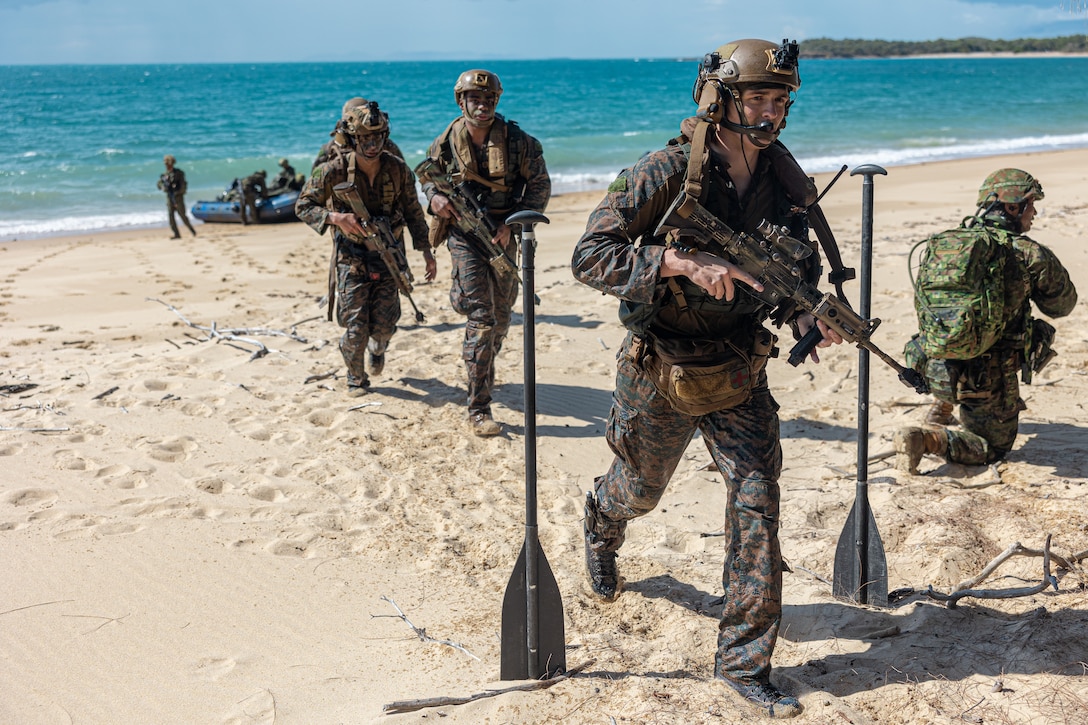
(856, 48)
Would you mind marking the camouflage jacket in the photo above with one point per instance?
(1037, 276)
(619, 254)
(525, 178)
(393, 196)
(173, 182)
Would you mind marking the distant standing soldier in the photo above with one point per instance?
(174, 184)
(254, 187)
(986, 387)
(506, 165)
(367, 303)
(338, 144)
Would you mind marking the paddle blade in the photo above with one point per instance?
(518, 660)
(861, 573)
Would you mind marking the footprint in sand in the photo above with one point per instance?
(12, 450)
(173, 449)
(32, 498)
(67, 460)
(121, 476)
(254, 428)
(212, 668)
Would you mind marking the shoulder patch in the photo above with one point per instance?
(620, 184)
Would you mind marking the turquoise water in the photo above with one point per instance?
(81, 146)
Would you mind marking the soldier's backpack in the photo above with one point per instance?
(959, 291)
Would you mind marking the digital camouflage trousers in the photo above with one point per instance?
(649, 438)
(487, 299)
(368, 308)
(987, 390)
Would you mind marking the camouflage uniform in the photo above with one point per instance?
(174, 184)
(620, 256)
(986, 387)
(367, 302)
(477, 291)
(254, 187)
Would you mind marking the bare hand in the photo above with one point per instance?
(441, 207)
(502, 236)
(346, 222)
(713, 274)
(431, 265)
(831, 337)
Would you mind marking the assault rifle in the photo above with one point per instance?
(378, 237)
(772, 259)
(472, 220)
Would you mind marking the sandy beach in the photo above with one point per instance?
(195, 533)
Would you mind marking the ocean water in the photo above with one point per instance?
(81, 146)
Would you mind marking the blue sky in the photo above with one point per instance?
(190, 31)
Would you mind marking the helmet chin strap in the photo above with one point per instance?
(762, 134)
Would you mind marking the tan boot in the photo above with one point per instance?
(484, 425)
(940, 413)
(913, 442)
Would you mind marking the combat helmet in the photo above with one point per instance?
(367, 119)
(742, 64)
(1009, 186)
(350, 104)
(284, 163)
(477, 80)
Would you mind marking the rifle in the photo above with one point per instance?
(377, 237)
(772, 260)
(474, 222)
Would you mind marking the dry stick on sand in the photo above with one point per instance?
(394, 708)
(421, 632)
(234, 334)
(962, 589)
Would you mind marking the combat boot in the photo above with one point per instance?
(765, 696)
(375, 356)
(940, 413)
(484, 425)
(604, 578)
(913, 442)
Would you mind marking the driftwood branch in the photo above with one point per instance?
(36, 430)
(964, 588)
(238, 334)
(421, 632)
(413, 705)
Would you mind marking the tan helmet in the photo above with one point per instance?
(284, 163)
(742, 64)
(477, 80)
(1009, 186)
(350, 104)
(367, 119)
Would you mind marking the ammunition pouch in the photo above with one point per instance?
(1039, 351)
(438, 231)
(702, 376)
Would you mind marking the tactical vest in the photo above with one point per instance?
(507, 150)
(388, 185)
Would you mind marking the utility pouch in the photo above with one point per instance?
(437, 232)
(699, 377)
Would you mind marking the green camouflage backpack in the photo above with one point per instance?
(959, 291)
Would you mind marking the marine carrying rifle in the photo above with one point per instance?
(377, 237)
(772, 259)
(472, 219)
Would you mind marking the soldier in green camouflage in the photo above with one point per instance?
(506, 166)
(366, 301)
(174, 184)
(987, 387)
(690, 311)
